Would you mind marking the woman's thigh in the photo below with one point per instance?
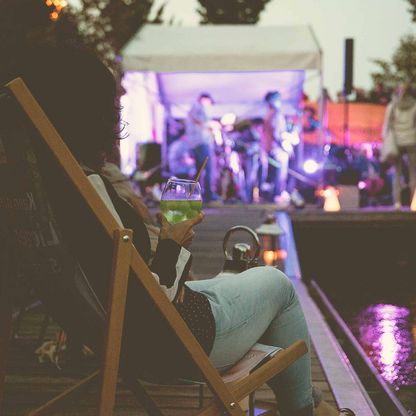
(243, 305)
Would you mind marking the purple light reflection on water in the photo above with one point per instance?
(385, 333)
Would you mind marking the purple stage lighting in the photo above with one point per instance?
(310, 166)
(362, 185)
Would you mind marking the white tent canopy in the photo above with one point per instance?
(222, 48)
(167, 67)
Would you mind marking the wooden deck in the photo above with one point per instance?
(29, 383)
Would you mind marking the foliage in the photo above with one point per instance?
(231, 11)
(402, 67)
(25, 23)
(21, 20)
(103, 26)
(412, 9)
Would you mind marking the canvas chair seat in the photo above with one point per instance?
(54, 223)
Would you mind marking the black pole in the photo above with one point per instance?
(348, 84)
(346, 121)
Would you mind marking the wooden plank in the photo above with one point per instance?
(56, 402)
(30, 383)
(115, 318)
(277, 364)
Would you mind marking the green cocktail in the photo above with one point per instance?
(180, 210)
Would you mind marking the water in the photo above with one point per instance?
(378, 303)
(366, 265)
(388, 335)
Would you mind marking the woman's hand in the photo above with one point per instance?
(181, 232)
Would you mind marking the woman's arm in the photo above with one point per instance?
(171, 262)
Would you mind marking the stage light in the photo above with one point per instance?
(228, 119)
(361, 185)
(235, 162)
(331, 203)
(310, 166)
(413, 203)
(292, 137)
(287, 146)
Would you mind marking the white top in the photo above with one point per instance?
(184, 254)
(197, 127)
(404, 125)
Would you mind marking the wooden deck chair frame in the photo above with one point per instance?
(125, 257)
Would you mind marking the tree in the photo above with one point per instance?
(105, 26)
(25, 23)
(402, 67)
(412, 9)
(231, 11)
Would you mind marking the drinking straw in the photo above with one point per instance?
(197, 177)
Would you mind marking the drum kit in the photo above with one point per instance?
(237, 160)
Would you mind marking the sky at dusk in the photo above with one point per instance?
(375, 25)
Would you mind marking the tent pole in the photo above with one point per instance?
(167, 114)
(322, 110)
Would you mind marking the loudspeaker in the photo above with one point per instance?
(348, 66)
(349, 197)
(148, 165)
(149, 155)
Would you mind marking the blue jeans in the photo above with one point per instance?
(260, 305)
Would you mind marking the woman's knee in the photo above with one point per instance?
(279, 283)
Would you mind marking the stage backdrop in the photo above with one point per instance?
(365, 123)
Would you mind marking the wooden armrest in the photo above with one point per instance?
(269, 369)
(258, 377)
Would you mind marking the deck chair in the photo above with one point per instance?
(51, 222)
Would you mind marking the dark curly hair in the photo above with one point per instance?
(79, 95)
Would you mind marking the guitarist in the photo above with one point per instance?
(274, 180)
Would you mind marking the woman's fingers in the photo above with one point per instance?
(188, 239)
(181, 232)
(162, 219)
(198, 219)
(181, 295)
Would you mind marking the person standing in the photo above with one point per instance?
(200, 140)
(275, 181)
(399, 136)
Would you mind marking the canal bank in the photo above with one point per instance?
(363, 262)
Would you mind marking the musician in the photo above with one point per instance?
(247, 145)
(274, 180)
(181, 163)
(200, 141)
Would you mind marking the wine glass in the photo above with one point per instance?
(181, 200)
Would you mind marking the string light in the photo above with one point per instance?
(58, 6)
